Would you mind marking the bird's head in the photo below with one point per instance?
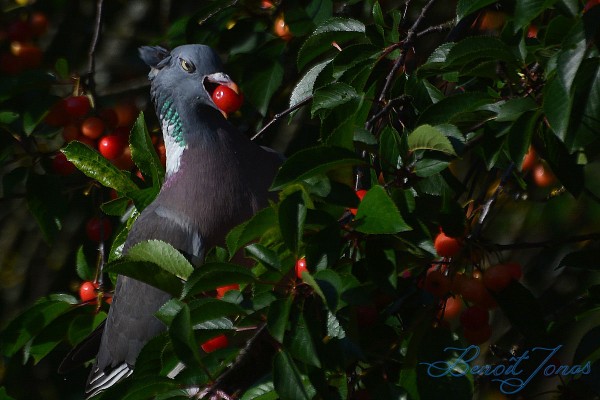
(189, 73)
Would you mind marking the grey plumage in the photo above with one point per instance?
(216, 179)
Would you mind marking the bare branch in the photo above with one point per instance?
(91, 81)
(437, 28)
(281, 115)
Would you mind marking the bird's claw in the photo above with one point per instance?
(212, 394)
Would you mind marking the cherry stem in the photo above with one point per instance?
(91, 81)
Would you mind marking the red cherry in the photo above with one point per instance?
(124, 161)
(529, 160)
(301, 267)
(19, 31)
(77, 106)
(282, 29)
(126, 114)
(360, 194)
(62, 166)
(447, 246)
(224, 289)
(70, 132)
(29, 56)
(227, 99)
(472, 290)
(543, 176)
(87, 291)
(91, 143)
(38, 23)
(452, 308)
(110, 117)
(478, 336)
(10, 64)
(474, 317)
(437, 283)
(57, 115)
(215, 343)
(532, 31)
(98, 229)
(112, 146)
(92, 127)
(590, 4)
(497, 277)
(516, 271)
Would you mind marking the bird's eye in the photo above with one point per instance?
(187, 66)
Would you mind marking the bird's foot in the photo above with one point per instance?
(209, 394)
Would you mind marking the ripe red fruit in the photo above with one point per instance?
(77, 106)
(281, 28)
(216, 343)
(532, 31)
(62, 166)
(29, 56)
(516, 271)
(224, 289)
(70, 132)
(590, 4)
(57, 115)
(472, 290)
(497, 277)
(92, 127)
(543, 176)
(437, 283)
(112, 146)
(91, 143)
(227, 99)
(109, 116)
(38, 23)
(126, 114)
(98, 229)
(447, 246)
(87, 291)
(452, 308)
(478, 336)
(10, 64)
(529, 160)
(19, 31)
(360, 194)
(301, 267)
(474, 317)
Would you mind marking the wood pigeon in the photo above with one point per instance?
(216, 178)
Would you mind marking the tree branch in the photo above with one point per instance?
(408, 42)
(437, 28)
(91, 80)
(281, 115)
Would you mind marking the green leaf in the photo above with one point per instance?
(35, 113)
(527, 10)
(519, 136)
(557, 105)
(292, 213)
(264, 255)
(94, 165)
(304, 87)
(465, 7)
(512, 109)
(4, 395)
(143, 153)
(453, 107)
(301, 344)
(117, 207)
(147, 272)
(84, 324)
(286, 378)
(262, 222)
(278, 316)
(340, 30)
(209, 309)
(62, 68)
(8, 117)
(377, 214)
(331, 96)
(30, 323)
(182, 337)
(426, 137)
(479, 48)
(261, 391)
(213, 275)
(570, 58)
(162, 254)
(581, 259)
(313, 161)
(262, 85)
(85, 271)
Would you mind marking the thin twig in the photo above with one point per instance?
(437, 28)
(546, 243)
(408, 42)
(91, 81)
(281, 115)
(385, 109)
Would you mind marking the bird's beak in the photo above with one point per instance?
(211, 82)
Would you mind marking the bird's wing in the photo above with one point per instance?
(131, 322)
